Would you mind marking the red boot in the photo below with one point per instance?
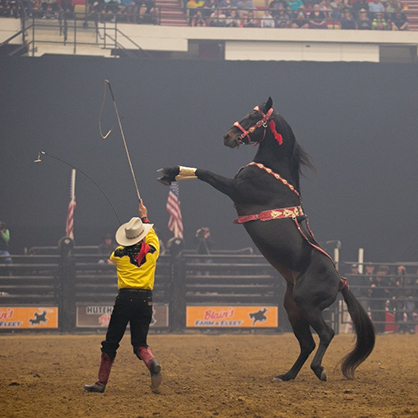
(104, 371)
(145, 354)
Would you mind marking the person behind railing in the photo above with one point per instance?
(405, 305)
(131, 10)
(376, 6)
(363, 22)
(217, 18)
(228, 5)
(337, 9)
(146, 11)
(347, 20)
(325, 8)
(233, 20)
(50, 9)
(360, 5)
(198, 20)
(4, 244)
(294, 6)
(191, 6)
(250, 21)
(301, 21)
(282, 19)
(209, 7)
(379, 22)
(243, 7)
(379, 295)
(400, 21)
(317, 19)
(105, 248)
(267, 20)
(276, 5)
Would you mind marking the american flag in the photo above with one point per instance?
(69, 230)
(175, 223)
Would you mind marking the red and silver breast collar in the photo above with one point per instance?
(265, 122)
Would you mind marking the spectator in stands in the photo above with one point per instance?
(217, 18)
(376, 6)
(28, 6)
(50, 9)
(106, 248)
(4, 244)
(295, 5)
(400, 21)
(111, 8)
(267, 21)
(209, 7)
(275, 5)
(379, 295)
(301, 21)
(325, 8)
(146, 11)
(359, 5)
(347, 20)
(363, 22)
(233, 20)
(337, 7)
(192, 5)
(392, 7)
(228, 4)
(282, 20)
(251, 20)
(317, 19)
(198, 20)
(405, 301)
(131, 9)
(243, 7)
(379, 22)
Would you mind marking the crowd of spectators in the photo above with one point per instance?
(387, 293)
(132, 11)
(314, 14)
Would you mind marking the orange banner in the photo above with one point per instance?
(34, 317)
(232, 316)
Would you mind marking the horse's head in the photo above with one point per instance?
(253, 127)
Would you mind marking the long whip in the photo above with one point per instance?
(121, 132)
(38, 160)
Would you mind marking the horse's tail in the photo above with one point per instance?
(366, 335)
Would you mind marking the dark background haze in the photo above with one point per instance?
(358, 121)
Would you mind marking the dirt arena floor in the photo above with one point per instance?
(204, 376)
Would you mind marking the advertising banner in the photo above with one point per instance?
(28, 317)
(94, 316)
(232, 316)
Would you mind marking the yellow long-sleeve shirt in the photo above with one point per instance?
(136, 267)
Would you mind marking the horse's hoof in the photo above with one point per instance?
(323, 376)
(281, 378)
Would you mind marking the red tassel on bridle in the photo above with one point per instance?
(277, 136)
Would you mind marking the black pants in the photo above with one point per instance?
(133, 306)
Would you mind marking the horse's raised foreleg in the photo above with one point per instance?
(302, 332)
(223, 184)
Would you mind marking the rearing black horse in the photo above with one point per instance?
(267, 198)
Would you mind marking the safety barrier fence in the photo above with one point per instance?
(71, 289)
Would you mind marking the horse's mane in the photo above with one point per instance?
(299, 158)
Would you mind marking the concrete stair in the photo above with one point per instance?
(412, 14)
(171, 13)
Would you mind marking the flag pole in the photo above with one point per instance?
(69, 230)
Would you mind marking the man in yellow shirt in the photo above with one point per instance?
(135, 260)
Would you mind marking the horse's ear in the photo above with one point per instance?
(269, 104)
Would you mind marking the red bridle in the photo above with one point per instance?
(262, 122)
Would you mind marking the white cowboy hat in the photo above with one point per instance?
(132, 232)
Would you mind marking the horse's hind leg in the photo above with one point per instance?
(313, 313)
(302, 331)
